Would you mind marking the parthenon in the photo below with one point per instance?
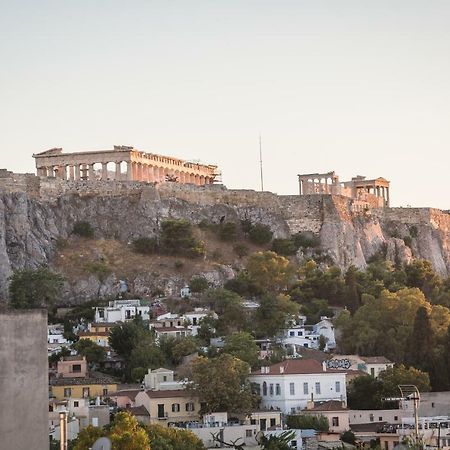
(123, 163)
(371, 193)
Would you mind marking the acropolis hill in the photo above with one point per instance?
(38, 212)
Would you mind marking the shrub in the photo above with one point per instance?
(284, 247)
(145, 245)
(99, 269)
(198, 284)
(246, 225)
(260, 234)
(408, 241)
(306, 239)
(178, 264)
(83, 229)
(177, 239)
(306, 422)
(228, 232)
(240, 250)
(348, 437)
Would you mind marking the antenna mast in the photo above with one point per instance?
(261, 163)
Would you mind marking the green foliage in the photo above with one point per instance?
(164, 438)
(87, 436)
(260, 234)
(228, 306)
(177, 239)
(306, 239)
(420, 274)
(284, 247)
(241, 250)
(198, 284)
(277, 442)
(228, 232)
(94, 353)
(83, 229)
(306, 421)
(270, 271)
(38, 288)
(55, 357)
(145, 245)
(243, 285)
(222, 384)
(272, 314)
(176, 348)
(178, 264)
(242, 345)
(126, 433)
(100, 269)
(400, 374)
(348, 437)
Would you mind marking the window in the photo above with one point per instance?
(291, 333)
(335, 421)
(338, 386)
(76, 404)
(371, 417)
(292, 410)
(67, 392)
(164, 378)
(76, 368)
(271, 389)
(277, 389)
(305, 389)
(176, 407)
(372, 371)
(380, 419)
(264, 388)
(248, 433)
(292, 388)
(252, 421)
(189, 406)
(396, 418)
(85, 392)
(300, 333)
(317, 388)
(105, 391)
(273, 422)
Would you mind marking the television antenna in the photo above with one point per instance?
(261, 163)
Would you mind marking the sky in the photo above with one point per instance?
(356, 86)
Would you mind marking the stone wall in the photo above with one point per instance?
(24, 380)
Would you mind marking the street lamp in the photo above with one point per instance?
(63, 430)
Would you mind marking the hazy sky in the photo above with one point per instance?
(355, 86)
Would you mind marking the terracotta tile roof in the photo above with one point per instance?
(331, 405)
(131, 394)
(169, 393)
(138, 411)
(376, 360)
(294, 366)
(73, 358)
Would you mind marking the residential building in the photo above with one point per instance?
(72, 367)
(289, 385)
(264, 419)
(98, 337)
(87, 387)
(372, 365)
(162, 379)
(55, 335)
(121, 311)
(363, 416)
(125, 398)
(169, 407)
(334, 411)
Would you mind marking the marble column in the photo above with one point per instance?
(104, 171)
(129, 171)
(118, 174)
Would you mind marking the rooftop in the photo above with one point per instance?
(331, 405)
(293, 366)
(169, 393)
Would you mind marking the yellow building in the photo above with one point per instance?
(98, 337)
(169, 406)
(82, 387)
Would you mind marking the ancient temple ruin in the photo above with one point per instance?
(364, 193)
(123, 163)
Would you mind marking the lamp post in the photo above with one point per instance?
(63, 430)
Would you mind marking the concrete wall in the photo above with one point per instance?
(23, 380)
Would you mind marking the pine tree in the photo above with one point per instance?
(421, 343)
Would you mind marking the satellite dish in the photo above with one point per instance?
(102, 444)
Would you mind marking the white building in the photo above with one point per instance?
(290, 384)
(121, 311)
(297, 334)
(162, 380)
(55, 335)
(372, 365)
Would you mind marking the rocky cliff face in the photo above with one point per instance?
(31, 225)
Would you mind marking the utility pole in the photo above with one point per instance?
(261, 163)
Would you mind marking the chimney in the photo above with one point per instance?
(281, 369)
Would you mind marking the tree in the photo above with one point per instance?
(222, 384)
(242, 345)
(307, 421)
(177, 239)
(145, 245)
(277, 442)
(420, 274)
(198, 284)
(127, 434)
(228, 232)
(94, 353)
(260, 234)
(34, 288)
(270, 271)
(421, 343)
(284, 247)
(83, 229)
(393, 377)
(365, 392)
(353, 294)
(348, 437)
(163, 438)
(123, 338)
(87, 436)
(145, 355)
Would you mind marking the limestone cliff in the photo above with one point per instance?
(32, 223)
